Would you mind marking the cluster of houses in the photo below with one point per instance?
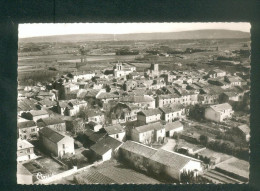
(122, 112)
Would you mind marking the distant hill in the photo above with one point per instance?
(197, 34)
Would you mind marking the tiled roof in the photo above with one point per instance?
(48, 102)
(234, 79)
(114, 129)
(41, 93)
(140, 99)
(92, 93)
(26, 105)
(149, 127)
(77, 102)
(231, 94)
(26, 124)
(167, 110)
(105, 95)
(168, 96)
(150, 112)
(92, 113)
(171, 159)
(95, 137)
(100, 149)
(51, 121)
(52, 135)
(244, 128)
(138, 149)
(221, 107)
(110, 142)
(173, 125)
(38, 112)
(23, 144)
(63, 103)
(82, 93)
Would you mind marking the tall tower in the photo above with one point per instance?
(155, 67)
(119, 66)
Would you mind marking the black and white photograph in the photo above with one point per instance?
(133, 103)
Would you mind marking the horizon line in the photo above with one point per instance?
(128, 33)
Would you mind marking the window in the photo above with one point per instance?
(117, 136)
(63, 146)
(33, 130)
(28, 150)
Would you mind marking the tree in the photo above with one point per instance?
(108, 89)
(78, 126)
(187, 177)
(197, 112)
(203, 139)
(82, 113)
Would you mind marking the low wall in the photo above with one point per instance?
(57, 176)
(65, 174)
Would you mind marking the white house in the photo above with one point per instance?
(219, 112)
(83, 76)
(144, 101)
(106, 148)
(149, 116)
(153, 132)
(116, 132)
(171, 128)
(56, 142)
(216, 73)
(25, 150)
(174, 164)
(169, 114)
(102, 151)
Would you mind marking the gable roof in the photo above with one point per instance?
(51, 120)
(26, 124)
(38, 112)
(171, 159)
(100, 149)
(233, 79)
(149, 127)
(244, 128)
(47, 102)
(150, 112)
(138, 149)
(93, 112)
(168, 96)
(231, 94)
(114, 129)
(105, 95)
(173, 125)
(167, 110)
(96, 136)
(221, 107)
(137, 99)
(51, 134)
(26, 105)
(23, 144)
(82, 93)
(110, 142)
(92, 93)
(63, 103)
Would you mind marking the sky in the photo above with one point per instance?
(34, 30)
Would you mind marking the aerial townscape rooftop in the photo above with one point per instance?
(146, 108)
